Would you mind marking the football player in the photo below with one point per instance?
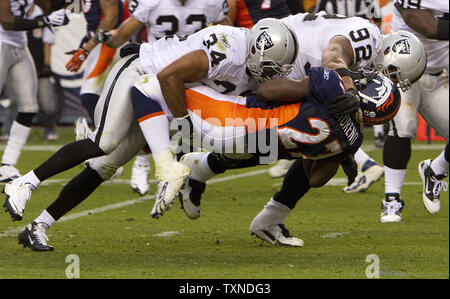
(428, 96)
(161, 18)
(306, 130)
(18, 72)
(221, 49)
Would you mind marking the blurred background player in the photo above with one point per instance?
(18, 72)
(99, 15)
(249, 12)
(49, 93)
(161, 18)
(428, 96)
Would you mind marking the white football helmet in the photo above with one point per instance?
(272, 49)
(401, 57)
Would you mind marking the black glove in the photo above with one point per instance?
(350, 167)
(346, 103)
(130, 48)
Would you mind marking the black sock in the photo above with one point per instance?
(67, 157)
(77, 190)
(396, 152)
(295, 185)
(25, 119)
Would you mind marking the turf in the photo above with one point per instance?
(339, 231)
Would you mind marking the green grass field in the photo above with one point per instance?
(123, 241)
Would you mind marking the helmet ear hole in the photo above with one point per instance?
(253, 51)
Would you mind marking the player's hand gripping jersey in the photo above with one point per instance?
(314, 32)
(165, 17)
(223, 46)
(303, 129)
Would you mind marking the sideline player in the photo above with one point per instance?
(18, 72)
(115, 100)
(428, 96)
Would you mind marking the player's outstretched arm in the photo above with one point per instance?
(117, 37)
(19, 23)
(189, 68)
(283, 90)
(425, 23)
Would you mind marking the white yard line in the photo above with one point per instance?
(14, 231)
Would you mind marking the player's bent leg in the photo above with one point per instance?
(170, 175)
(268, 224)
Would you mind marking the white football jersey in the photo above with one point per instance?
(166, 17)
(225, 46)
(314, 32)
(437, 50)
(19, 8)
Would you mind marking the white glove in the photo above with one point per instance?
(56, 18)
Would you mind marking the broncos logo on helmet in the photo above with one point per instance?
(380, 98)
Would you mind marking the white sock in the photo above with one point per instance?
(163, 162)
(393, 179)
(378, 130)
(201, 171)
(142, 160)
(156, 132)
(46, 218)
(273, 213)
(361, 156)
(18, 136)
(440, 165)
(31, 178)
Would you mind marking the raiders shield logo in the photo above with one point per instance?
(264, 40)
(402, 47)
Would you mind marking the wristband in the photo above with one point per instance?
(442, 30)
(22, 24)
(343, 72)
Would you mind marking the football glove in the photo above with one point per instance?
(350, 168)
(56, 18)
(346, 103)
(78, 57)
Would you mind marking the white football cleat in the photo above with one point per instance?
(168, 185)
(190, 196)
(17, 194)
(368, 173)
(432, 186)
(139, 178)
(278, 235)
(8, 173)
(82, 129)
(391, 208)
(280, 169)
